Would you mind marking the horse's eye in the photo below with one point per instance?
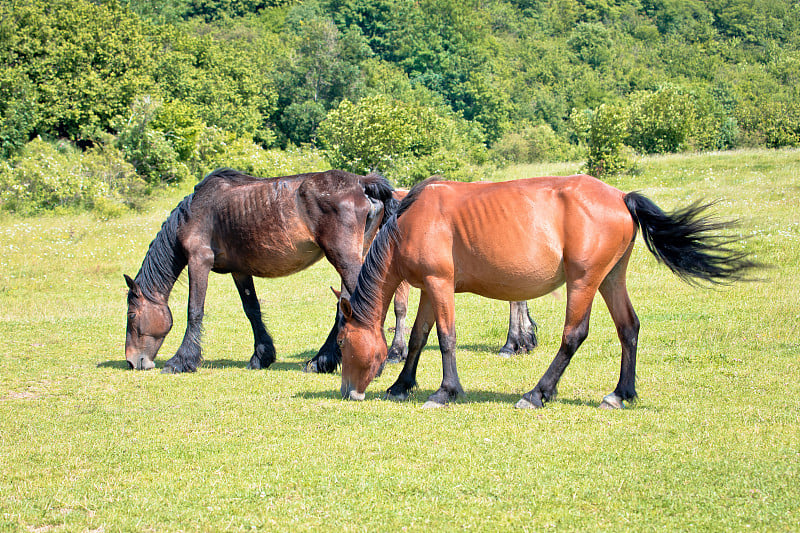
(340, 342)
(131, 315)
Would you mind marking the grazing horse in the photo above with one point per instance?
(519, 240)
(521, 329)
(246, 226)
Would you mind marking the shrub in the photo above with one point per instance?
(406, 142)
(43, 177)
(149, 150)
(661, 121)
(218, 148)
(604, 131)
(533, 144)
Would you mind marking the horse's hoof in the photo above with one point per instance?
(506, 352)
(525, 404)
(430, 404)
(611, 401)
(396, 355)
(396, 397)
(530, 400)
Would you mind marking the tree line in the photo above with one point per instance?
(121, 96)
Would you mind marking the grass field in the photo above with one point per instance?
(713, 443)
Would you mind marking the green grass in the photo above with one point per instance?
(712, 444)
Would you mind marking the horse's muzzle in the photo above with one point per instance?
(141, 362)
(350, 393)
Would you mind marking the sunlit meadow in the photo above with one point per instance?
(712, 444)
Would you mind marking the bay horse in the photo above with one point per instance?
(247, 226)
(521, 335)
(520, 240)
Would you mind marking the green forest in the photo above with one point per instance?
(104, 102)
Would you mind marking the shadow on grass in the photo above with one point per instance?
(295, 363)
(420, 396)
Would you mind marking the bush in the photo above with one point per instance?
(218, 148)
(533, 144)
(149, 150)
(604, 131)
(661, 121)
(406, 142)
(43, 177)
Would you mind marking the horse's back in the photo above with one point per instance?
(256, 225)
(494, 238)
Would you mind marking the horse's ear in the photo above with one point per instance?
(132, 285)
(336, 293)
(347, 310)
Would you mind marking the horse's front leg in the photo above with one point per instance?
(521, 330)
(398, 351)
(342, 247)
(329, 355)
(263, 347)
(443, 302)
(188, 358)
(407, 380)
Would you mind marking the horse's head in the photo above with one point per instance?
(363, 352)
(148, 325)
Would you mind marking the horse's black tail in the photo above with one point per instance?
(691, 243)
(378, 188)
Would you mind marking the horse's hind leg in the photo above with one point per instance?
(619, 305)
(264, 349)
(398, 351)
(521, 330)
(576, 328)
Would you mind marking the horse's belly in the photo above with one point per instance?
(268, 259)
(512, 282)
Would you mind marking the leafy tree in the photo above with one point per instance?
(591, 42)
(227, 84)
(86, 62)
(323, 70)
(660, 121)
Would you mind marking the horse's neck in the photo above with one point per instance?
(376, 288)
(160, 269)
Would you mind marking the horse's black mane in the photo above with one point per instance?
(413, 194)
(165, 259)
(364, 300)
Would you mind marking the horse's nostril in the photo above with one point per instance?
(130, 365)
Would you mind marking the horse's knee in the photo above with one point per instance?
(574, 337)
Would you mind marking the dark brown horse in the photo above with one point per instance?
(235, 223)
(513, 241)
(521, 329)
